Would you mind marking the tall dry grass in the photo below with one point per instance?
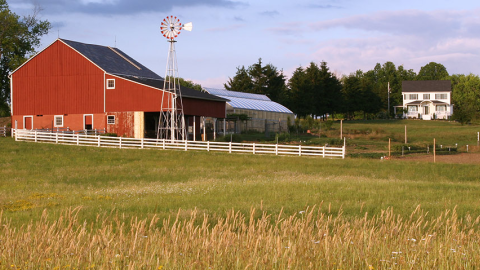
(310, 239)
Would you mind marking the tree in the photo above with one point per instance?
(259, 79)
(241, 82)
(190, 84)
(18, 39)
(466, 97)
(432, 71)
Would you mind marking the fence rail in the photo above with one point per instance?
(3, 131)
(230, 147)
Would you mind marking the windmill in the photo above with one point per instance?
(171, 123)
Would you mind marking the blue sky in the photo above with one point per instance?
(347, 34)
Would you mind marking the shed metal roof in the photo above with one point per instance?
(112, 60)
(248, 101)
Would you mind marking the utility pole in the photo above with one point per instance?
(388, 100)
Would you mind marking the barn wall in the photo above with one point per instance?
(130, 96)
(202, 107)
(58, 81)
(124, 124)
(72, 121)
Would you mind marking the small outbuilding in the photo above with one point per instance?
(261, 113)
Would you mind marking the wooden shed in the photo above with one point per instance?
(83, 86)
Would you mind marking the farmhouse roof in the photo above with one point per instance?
(186, 92)
(248, 101)
(112, 60)
(427, 86)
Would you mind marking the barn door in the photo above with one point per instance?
(88, 121)
(28, 122)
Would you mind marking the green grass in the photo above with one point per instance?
(141, 183)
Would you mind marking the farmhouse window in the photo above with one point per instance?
(440, 96)
(426, 96)
(413, 96)
(111, 119)
(58, 121)
(111, 84)
(441, 108)
(412, 108)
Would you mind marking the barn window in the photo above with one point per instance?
(111, 119)
(58, 121)
(111, 84)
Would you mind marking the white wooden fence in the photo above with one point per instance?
(3, 131)
(230, 147)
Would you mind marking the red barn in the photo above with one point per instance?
(83, 86)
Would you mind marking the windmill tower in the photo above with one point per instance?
(171, 123)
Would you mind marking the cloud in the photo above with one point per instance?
(271, 13)
(124, 7)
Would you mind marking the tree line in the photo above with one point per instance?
(317, 92)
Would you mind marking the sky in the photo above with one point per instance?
(349, 35)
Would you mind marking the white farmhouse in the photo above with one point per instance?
(427, 100)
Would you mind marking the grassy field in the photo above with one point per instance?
(110, 208)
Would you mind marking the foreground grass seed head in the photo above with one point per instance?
(299, 241)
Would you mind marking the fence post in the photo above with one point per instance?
(254, 148)
(300, 150)
(36, 136)
(120, 142)
(99, 140)
(78, 139)
(343, 151)
(208, 146)
(276, 149)
(141, 143)
(56, 138)
(323, 153)
(163, 144)
(186, 145)
(230, 147)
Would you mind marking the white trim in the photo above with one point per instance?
(25, 116)
(107, 82)
(33, 57)
(11, 95)
(114, 120)
(104, 92)
(84, 119)
(139, 83)
(55, 121)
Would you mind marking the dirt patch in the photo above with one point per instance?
(463, 158)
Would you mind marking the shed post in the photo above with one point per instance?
(194, 128)
(214, 128)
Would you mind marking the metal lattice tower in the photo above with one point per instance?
(171, 124)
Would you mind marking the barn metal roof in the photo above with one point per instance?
(248, 101)
(112, 60)
(185, 91)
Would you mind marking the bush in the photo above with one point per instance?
(230, 137)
